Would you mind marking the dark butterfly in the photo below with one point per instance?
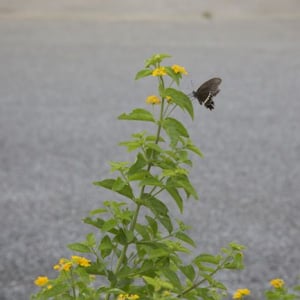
(207, 91)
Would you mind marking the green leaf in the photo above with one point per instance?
(109, 184)
(175, 125)
(131, 145)
(118, 185)
(181, 99)
(166, 222)
(174, 130)
(98, 223)
(153, 225)
(143, 73)
(79, 247)
(194, 149)
(138, 114)
(157, 206)
(188, 271)
(57, 289)
(173, 278)
(157, 283)
(139, 175)
(97, 211)
(109, 225)
(176, 196)
(185, 238)
(138, 165)
(184, 183)
(151, 181)
(156, 59)
(143, 231)
(154, 147)
(91, 239)
(105, 246)
(208, 258)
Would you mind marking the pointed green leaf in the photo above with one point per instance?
(138, 164)
(181, 99)
(105, 246)
(138, 114)
(173, 278)
(143, 73)
(156, 59)
(185, 238)
(151, 181)
(176, 196)
(208, 258)
(189, 272)
(109, 184)
(79, 247)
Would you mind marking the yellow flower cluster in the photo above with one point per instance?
(65, 264)
(128, 297)
(153, 100)
(161, 71)
(179, 69)
(41, 280)
(240, 293)
(81, 261)
(277, 283)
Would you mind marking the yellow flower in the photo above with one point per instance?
(240, 293)
(81, 261)
(277, 283)
(122, 297)
(179, 69)
(49, 286)
(63, 264)
(67, 266)
(161, 71)
(41, 280)
(153, 100)
(133, 297)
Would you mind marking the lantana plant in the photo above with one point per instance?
(136, 250)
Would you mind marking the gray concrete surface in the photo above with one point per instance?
(66, 73)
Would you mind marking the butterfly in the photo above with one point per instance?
(207, 91)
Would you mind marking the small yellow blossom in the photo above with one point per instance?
(161, 71)
(67, 266)
(63, 264)
(277, 283)
(133, 297)
(57, 267)
(62, 261)
(49, 286)
(81, 261)
(179, 69)
(240, 293)
(122, 297)
(41, 280)
(153, 100)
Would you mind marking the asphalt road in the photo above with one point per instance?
(64, 78)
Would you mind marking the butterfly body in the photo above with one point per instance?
(207, 91)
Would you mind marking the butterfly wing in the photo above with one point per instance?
(207, 91)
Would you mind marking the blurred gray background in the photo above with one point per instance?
(67, 71)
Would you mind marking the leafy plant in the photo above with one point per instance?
(137, 250)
